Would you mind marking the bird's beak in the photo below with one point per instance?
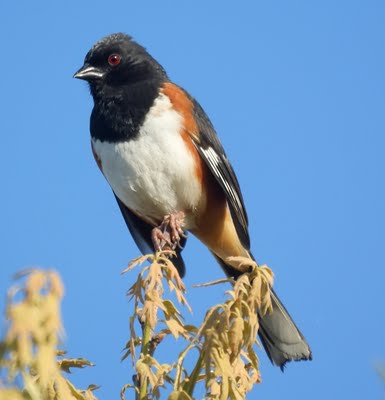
(88, 73)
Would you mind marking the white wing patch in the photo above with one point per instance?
(213, 158)
(216, 163)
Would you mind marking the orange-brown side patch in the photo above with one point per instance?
(215, 226)
(183, 105)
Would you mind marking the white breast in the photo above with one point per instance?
(153, 174)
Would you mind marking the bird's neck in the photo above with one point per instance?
(118, 115)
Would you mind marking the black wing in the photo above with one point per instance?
(211, 150)
(141, 233)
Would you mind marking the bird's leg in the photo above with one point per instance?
(168, 234)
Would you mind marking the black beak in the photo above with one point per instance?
(88, 73)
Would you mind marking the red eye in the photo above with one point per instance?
(113, 59)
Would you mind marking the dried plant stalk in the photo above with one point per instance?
(225, 341)
(28, 352)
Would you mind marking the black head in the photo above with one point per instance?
(117, 60)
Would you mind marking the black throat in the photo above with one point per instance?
(118, 113)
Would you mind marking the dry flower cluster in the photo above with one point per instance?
(227, 362)
(28, 352)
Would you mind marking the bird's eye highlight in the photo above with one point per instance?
(114, 59)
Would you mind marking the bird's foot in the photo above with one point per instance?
(160, 240)
(173, 224)
(169, 233)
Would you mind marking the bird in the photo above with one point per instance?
(169, 172)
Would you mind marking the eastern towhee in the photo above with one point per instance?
(168, 170)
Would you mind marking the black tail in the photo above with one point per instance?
(279, 334)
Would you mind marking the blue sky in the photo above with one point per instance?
(296, 91)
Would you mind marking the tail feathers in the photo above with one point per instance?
(280, 336)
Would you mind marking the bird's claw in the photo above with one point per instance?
(169, 233)
(161, 240)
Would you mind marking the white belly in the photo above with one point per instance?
(153, 174)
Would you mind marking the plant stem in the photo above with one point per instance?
(143, 388)
(190, 385)
(183, 354)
